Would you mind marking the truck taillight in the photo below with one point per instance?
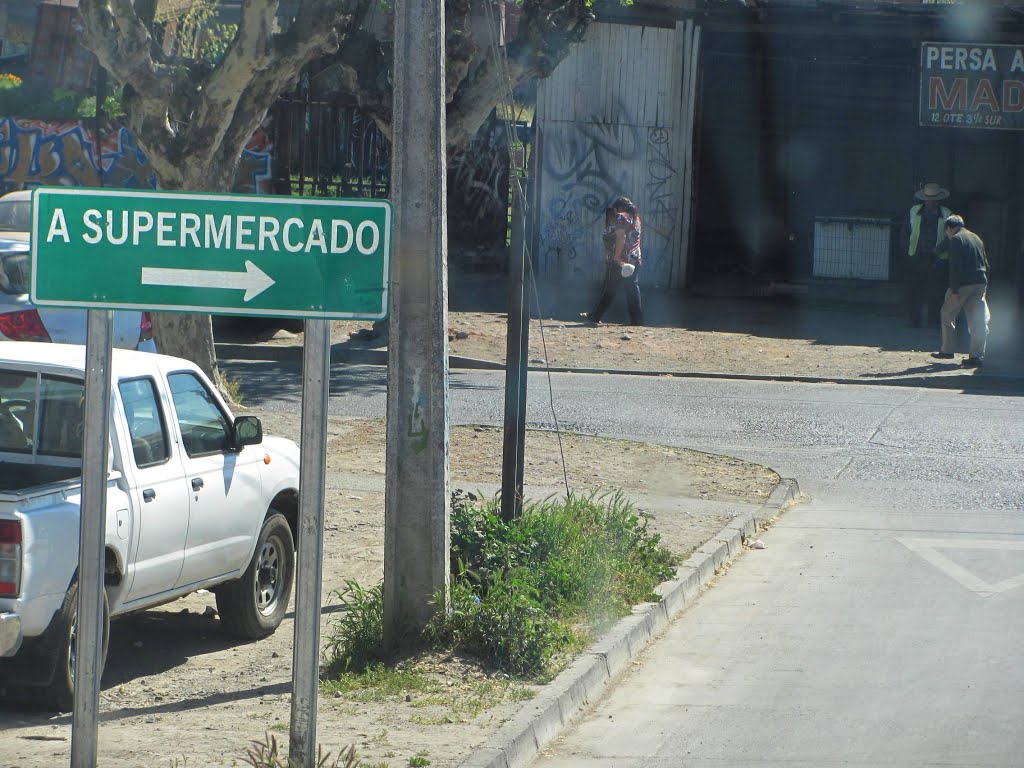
(10, 558)
(23, 326)
(146, 328)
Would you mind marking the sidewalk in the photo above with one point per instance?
(815, 339)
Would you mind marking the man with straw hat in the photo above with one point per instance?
(927, 272)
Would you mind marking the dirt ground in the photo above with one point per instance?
(757, 340)
(178, 692)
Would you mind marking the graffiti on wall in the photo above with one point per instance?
(64, 153)
(584, 167)
(661, 203)
(478, 189)
(588, 165)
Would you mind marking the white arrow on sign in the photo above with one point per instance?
(254, 280)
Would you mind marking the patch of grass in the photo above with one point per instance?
(465, 703)
(431, 701)
(523, 595)
(379, 683)
(526, 590)
(439, 720)
(519, 693)
(354, 639)
(267, 754)
(232, 388)
(420, 759)
(459, 703)
(484, 695)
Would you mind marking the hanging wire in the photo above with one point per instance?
(508, 102)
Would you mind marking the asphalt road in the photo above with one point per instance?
(882, 623)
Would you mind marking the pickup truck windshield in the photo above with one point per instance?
(15, 215)
(204, 427)
(14, 270)
(40, 414)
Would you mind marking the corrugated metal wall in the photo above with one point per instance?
(607, 122)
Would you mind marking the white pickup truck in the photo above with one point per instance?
(196, 499)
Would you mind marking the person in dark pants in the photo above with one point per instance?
(623, 259)
(968, 283)
(927, 272)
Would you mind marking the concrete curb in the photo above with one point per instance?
(521, 739)
(974, 381)
(354, 356)
(379, 356)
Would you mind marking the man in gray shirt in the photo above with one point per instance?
(968, 283)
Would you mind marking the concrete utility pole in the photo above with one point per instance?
(416, 528)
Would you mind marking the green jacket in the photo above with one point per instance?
(915, 229)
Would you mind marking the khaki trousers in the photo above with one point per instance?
(970, 298)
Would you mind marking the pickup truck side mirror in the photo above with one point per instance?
(247, 430)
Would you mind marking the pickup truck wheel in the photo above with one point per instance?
(60, 694)
(253, 606)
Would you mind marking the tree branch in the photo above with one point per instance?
(547, 32)
(545, 37)
(257, 66)
(123, 45)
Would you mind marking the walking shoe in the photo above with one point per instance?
(971, 362)
(942, 355)
(585, 317)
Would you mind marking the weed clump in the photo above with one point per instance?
(267, 754)
(522, 592)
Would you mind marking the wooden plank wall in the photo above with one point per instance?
(607, 122)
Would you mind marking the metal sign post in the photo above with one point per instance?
(87, 645)
(517, 343)
(316, 369)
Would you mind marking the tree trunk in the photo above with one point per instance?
(193, 119)
(189, 336)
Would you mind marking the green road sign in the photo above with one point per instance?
(224, 254)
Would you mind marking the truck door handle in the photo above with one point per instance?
(197, 483)
(148, 495)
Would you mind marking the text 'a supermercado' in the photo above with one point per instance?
(208, 231)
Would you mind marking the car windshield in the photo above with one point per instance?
(15, 215)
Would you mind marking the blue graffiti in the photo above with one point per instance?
(38, 152)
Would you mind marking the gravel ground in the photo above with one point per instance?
(178, 692)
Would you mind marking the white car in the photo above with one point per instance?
(20, 320)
